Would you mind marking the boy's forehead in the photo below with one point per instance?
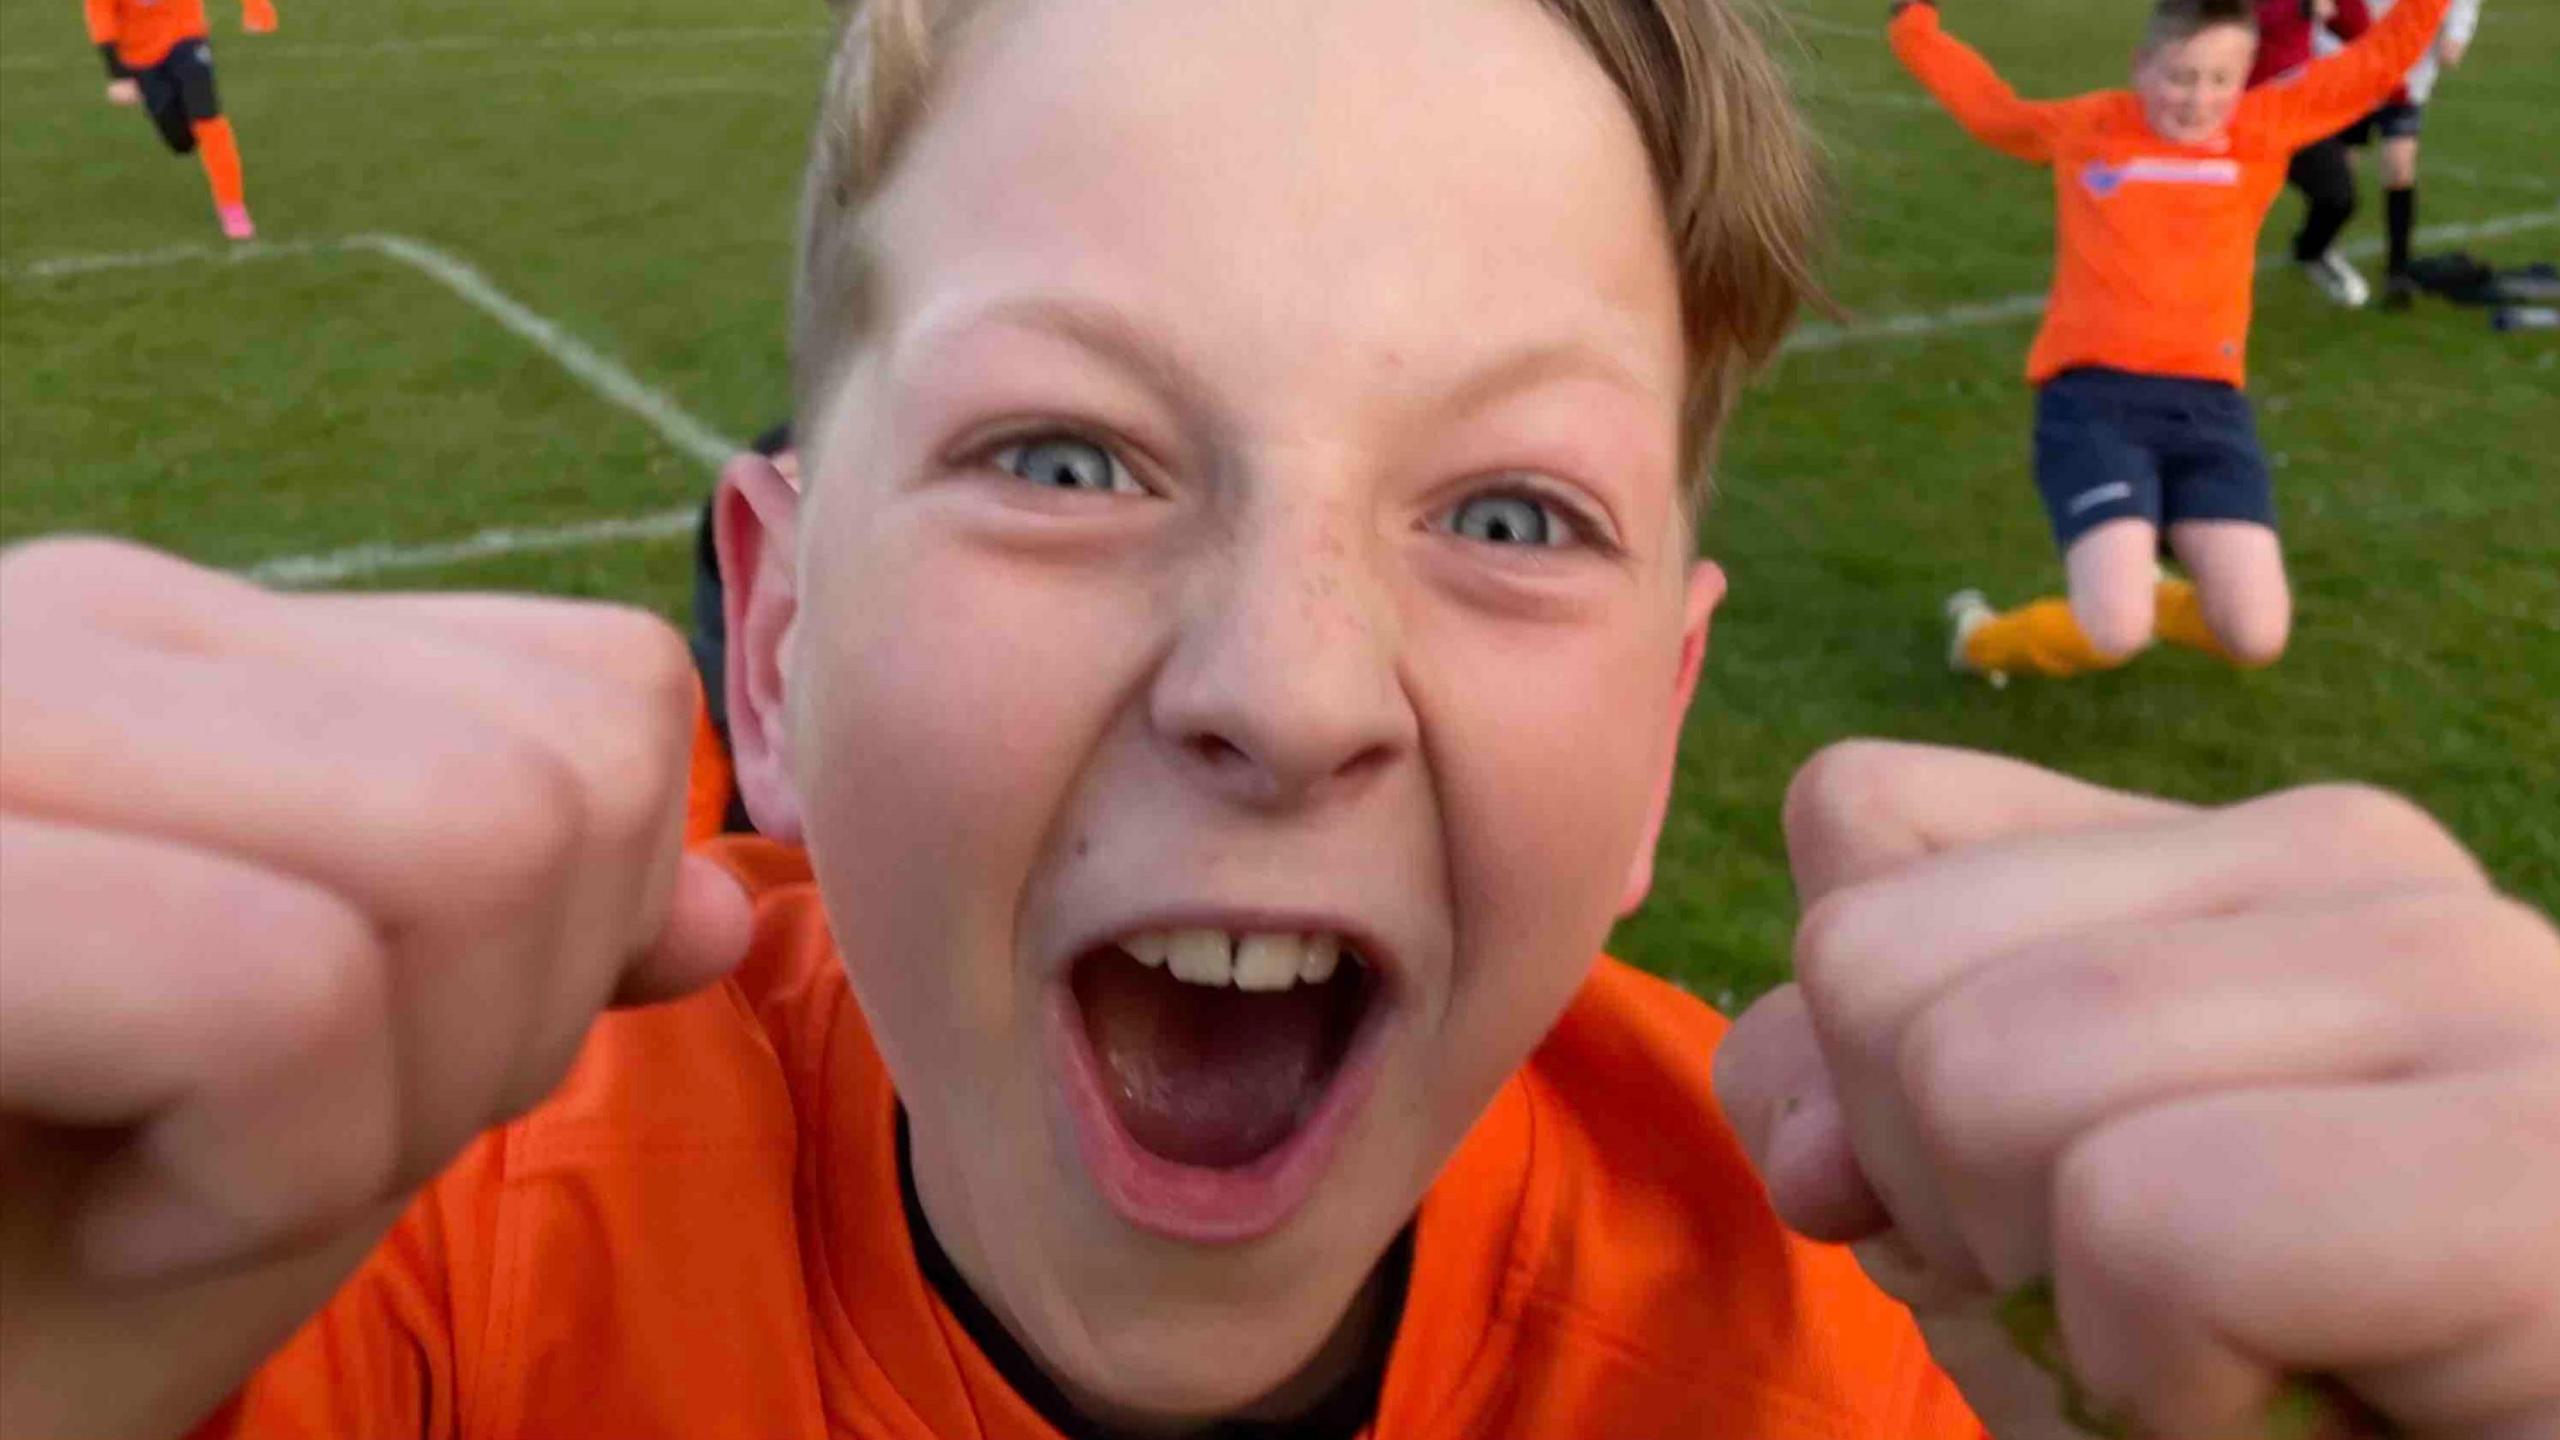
(1413, 180)
(2209, 45)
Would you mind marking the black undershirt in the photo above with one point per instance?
(1340, 1415)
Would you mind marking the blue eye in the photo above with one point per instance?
(1066, 463)
(1505, 517)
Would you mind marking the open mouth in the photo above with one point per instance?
(1211, 1072)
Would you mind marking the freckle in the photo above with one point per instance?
(1084, 846)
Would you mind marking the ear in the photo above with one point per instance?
(755, 519)
(1706, 590)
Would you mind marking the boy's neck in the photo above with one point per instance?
(1334, 1398)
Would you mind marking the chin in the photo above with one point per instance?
(1200, 1378)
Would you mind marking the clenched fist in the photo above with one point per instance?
(301, 894)
(2265, 1091)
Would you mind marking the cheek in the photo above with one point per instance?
(1546, 749)
(943, 710)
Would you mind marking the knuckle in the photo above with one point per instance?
(2371, 823)
(638, 756)
(1828, 940)
(326, 986)
(2115, 1208)
(1844, 780)
(644, 656)
(2503, 925)
(39, 574)
(1845, 961)
(522, 814)
(1960, 1081)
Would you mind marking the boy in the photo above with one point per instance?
(156, 52)
(2141, 424)
(1208, 693)
(2320, 170)
(2398, 122)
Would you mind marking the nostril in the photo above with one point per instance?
(1217, 751)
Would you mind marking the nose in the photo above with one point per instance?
(1282, 687)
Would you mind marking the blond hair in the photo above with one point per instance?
(2173, 21)
(1731, 158)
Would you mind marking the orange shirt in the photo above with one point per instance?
(144, 31)
(702, 1235)
(2156, 243)
(710, 783)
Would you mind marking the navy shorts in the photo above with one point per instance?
(2396, 120)
(179, 91)
(2112, 445)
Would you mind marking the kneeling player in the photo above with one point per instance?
(2143, 432)
(155, 52)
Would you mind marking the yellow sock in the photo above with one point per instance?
(2040, 637)
(2180, 620)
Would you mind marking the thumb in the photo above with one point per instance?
(710, 922)
(1777, 1093)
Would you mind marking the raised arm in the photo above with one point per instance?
(2330, 93)
(2460, 24)
(1969, 88)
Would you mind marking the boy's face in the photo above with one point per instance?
(2190, 87)
(1253, 514)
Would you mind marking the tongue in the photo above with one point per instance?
(1201, 1076)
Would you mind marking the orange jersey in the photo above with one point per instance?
(710, 781)
(145, 31)
(703, 1235)
(2155, 243)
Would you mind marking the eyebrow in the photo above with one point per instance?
(1112, 335)
(1557, 360)
(1093, 326)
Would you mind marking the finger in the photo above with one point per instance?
(452, 833)
(2005, 1069)
(1871, 955)
(241, 1015)
(613, 689)
(1861, 808)
(2397, 1236)
(602, 760)
(110, 1010)
(1776, 1092)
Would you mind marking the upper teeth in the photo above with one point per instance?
(1260, 960)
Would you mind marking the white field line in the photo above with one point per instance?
(2489, 179)
(1881, 99)
(575, 355)
(1919, 325)
(599, 373)
(296, 571)
(361, 560)
(1816, 25)
(466, 44)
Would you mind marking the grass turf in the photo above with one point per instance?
(627, 171)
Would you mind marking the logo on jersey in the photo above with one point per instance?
(2102, 179)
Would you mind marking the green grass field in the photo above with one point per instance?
(625, 173)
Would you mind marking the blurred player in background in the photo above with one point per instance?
(2321, 170)
(2397, 124)
(2142, 430)
(157, 55)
